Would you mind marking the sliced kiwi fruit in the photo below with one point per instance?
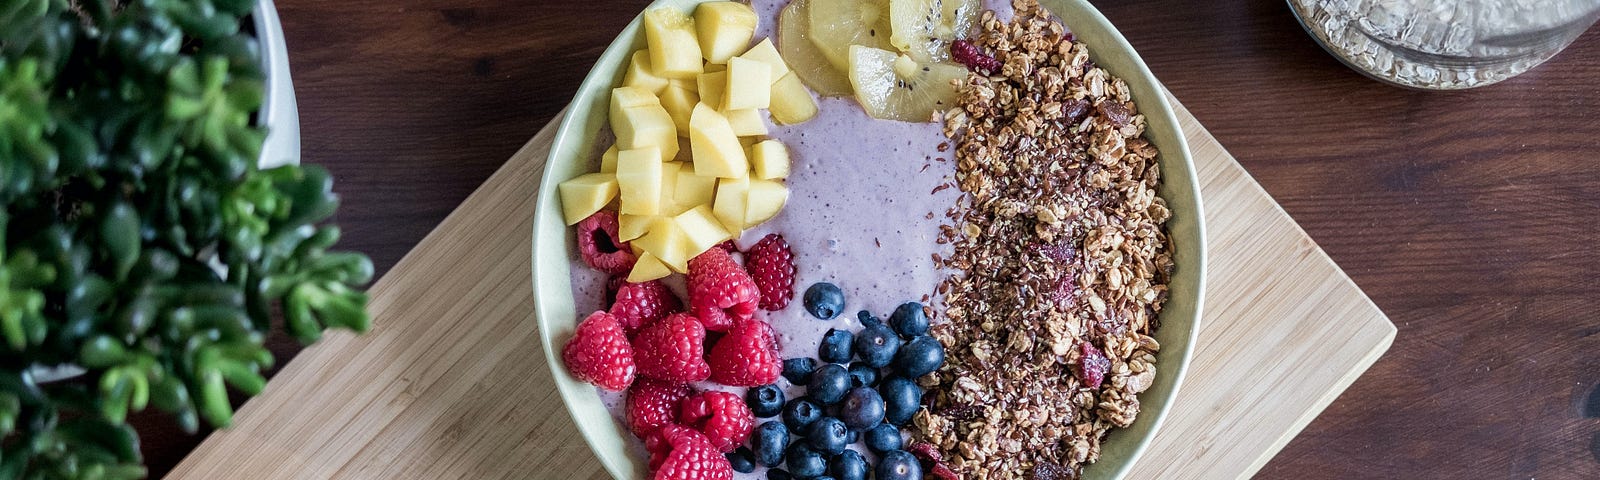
(925, 28)
(894, 86)
(836, 25)
(805, 59)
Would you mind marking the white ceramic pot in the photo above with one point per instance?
(278, 113)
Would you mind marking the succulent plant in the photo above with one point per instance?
(139, 240)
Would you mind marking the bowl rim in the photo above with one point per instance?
(1150, 98)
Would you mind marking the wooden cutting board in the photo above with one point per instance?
(451, 383)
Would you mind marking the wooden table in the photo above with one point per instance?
(1468, 217)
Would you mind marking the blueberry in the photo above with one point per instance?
(862, 375)
(920, 356)
(764, 401)
(909, 319)
(800, 413)
(876, 345)
(852, 438)
(798, 370)
(779, 474)
(901, 399)
(848, 465)
(767, 443)
(806, 462)
(742, 460)
(829, 384)
(828, 436)
(883, 438)
(862, 408)
(835, 347)
(898, 465)
(824, 477)
(868, 319)
(824, 300)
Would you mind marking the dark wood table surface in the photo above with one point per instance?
(1470, 217)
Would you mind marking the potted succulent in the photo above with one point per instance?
(155, 224)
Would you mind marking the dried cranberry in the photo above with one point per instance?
(1075, 110)
(1115, 112)
(966, 53)
(1091, 368)
(1050, 471)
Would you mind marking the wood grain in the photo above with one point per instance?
(1468, 217)
(450, 382)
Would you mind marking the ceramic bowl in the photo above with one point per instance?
(574, 144)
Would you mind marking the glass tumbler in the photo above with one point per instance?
(1444, 44)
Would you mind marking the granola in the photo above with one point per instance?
(1059, 263)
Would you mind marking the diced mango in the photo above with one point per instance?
(701, 229)
(639, 181)
(717, 152)
(694, 190)
(630, 227)
(715, 67)
(586, 194)
(711, 85)
(674, 48)
(608, 160)
(733, 197)
(640, 75)
(764, 52)
(669, 188)
(679, 103)
(765, 199)
(747, 122)
(639, 121)
(791, 102)
(769, 160)
(648, 268)
(664, 240)
(749, 85)
(724, 29)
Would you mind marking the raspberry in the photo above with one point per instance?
(728, 246)
(720, 292)
(771, 266)
(680, 453)
(672, 349)
(652, 403)
(599, 245)
(966, 53)
(746, 357)
(723, 417)
(599, 353)
(640, 304)
(1092, 366)
(612, 285)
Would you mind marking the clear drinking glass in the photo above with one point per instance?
(1444, 44)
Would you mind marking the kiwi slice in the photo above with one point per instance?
(836, 25)
(805, 59)
(925, 28)
(895, 86)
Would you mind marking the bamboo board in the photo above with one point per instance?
(451, 382)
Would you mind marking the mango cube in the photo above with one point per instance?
(694, 190)
(639, 181)
(717, 152)
(749, 85)
(648, 268)
(715, 67)
(791, 102)
(665, 241)
(765, 198)
(679, 103)
(608, 160)
(669, 188)
(733, 196)
(764, 52)
(747, 122)
(769, 160)
(724, 29)
(586, 194)
(711, 85)
(630, 227)
(640, 75)
(670, 37)
(701, 229)
(639, 121)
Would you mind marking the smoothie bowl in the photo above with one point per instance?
(853, 238)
